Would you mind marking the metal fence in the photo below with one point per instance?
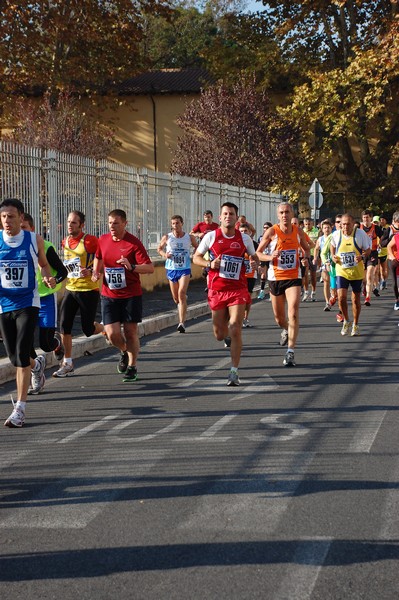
(51, 184)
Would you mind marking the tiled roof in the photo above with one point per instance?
(167, 81)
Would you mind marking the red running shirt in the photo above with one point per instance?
(119, 282)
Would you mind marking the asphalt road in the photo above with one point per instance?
(179, 487)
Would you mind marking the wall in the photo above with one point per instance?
(134, 123)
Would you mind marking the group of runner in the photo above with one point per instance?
(31, 273)
(29, 278)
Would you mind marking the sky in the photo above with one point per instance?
(254, 5)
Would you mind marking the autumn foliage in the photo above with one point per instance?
(234, 136)
(63, 126)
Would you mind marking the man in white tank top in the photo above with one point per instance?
(175, 247)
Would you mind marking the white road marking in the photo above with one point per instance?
(113, 434)
(304, 569)
(364, 437)
(390, 511)
(85, 430)
(211, 432)
(206, 372)
(254, 501)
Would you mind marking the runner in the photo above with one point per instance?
(348, 249)
(242, 220)
(49, 338)
(310, 269)
(263, 266)
(393, 257)
(175, 247)
(383, 254)
(374, 231)
(285, 241)
(122, 258)
(321, 241)
(250, 274)
(385, 241)
(81, 293)
(200, 229)
(228, 291)
(21, 252)
(325, 256)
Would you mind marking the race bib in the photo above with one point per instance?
(179, 259)
(14, 274)
(247, 265)
(287, 260)
(230, 266)
(72, 265)
(348, 260)
(115, 277)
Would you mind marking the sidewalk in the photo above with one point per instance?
(159, 312)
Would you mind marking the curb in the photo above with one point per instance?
(82, 345)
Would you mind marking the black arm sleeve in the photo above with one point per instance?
(385, 238)
(55, 262)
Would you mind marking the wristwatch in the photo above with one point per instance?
(208, 265)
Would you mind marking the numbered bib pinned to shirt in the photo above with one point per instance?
(115, 277)
(287, 259)
(72, 265)
(348, 260)
(230, 266)
(14, 274)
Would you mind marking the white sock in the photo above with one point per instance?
(21, 405)
(234, 369)
(68, 361)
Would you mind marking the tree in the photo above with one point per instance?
(346, 104)
(87, 46)
(178, 40)
(63, 126)
(232, 135)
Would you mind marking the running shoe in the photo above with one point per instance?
(181, 328)
(376, 292)
(367, 301)
(130, 374)
(283, 337)
(245, 323)
(37, 378)
(313, 296)
(60, 350)
(16, 418)
(289, 359)
(345, 327)
(305, 296)
(64, 371)
(261, 295)
(355, 330)
(396, 305)
(340, 317)
(233, 378)
(332, 300)
(327, 307)
(227, 342)
(123, 362)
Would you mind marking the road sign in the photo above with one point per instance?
(315, 195)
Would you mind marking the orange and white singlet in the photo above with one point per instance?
(287, 265)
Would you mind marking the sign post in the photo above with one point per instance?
(315, 198)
